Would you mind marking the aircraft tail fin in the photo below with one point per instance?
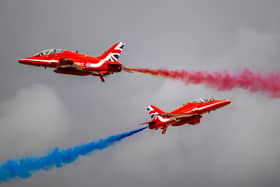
(113, 53)
(153, 111)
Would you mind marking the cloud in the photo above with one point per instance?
(251, 155)
(32, 121)
(255, 50)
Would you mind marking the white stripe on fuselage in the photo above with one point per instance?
(39, 60)
(195, 109)
(163, 119)
(160, 117)
(100, 63)
(207, 106)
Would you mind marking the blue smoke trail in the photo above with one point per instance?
(24, 167)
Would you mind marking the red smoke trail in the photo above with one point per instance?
(268, 83)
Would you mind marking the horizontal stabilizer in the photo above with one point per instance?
(147, 123)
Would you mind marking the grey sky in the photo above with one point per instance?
(234, 146)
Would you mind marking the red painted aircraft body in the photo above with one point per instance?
(190, 113)
(74, 63)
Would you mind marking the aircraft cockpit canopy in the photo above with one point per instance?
(201, 100)
(48, 52)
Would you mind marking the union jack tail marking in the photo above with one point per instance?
(113, 53)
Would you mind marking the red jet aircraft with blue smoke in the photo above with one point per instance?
(74, 63)
(190, 113)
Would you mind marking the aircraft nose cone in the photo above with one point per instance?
(225, 102)
(21, 61)
(27, 61)
(24, 61)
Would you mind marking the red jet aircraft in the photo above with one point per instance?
(190, 113)
(74, 63)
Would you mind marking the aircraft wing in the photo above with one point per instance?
(68, 63)
(177, 115)
(174, 117)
